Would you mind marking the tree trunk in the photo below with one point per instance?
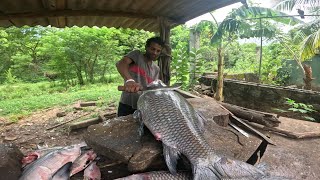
(219, 91)
(308, 77)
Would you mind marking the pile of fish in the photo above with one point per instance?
(60, 163)
(172, 120)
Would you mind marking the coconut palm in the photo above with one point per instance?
(307, 35)
(244, 22)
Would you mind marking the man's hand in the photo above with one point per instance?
(132, 87)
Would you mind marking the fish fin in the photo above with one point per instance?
(137, 116)
(63, 172)
(201, 121)
(204, 169)
(171, 156)
(229, 168)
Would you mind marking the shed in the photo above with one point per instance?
(151, 15)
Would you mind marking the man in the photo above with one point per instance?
(138, 70)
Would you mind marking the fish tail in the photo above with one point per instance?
(204, 169)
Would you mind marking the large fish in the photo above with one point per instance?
(32, 156)
(45, 167)
(173, 120)
(159, 175)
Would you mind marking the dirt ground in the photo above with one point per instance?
(298, 159)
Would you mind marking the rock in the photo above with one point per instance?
(211, 110)
(145, 157)
(10, 162)
(204, 87)
(10, 137)
(61, 114)
(117, 139)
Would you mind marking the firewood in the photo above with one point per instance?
(58, 125)
(287, 133)
(86, 104)
(263, 118)
(85, 123)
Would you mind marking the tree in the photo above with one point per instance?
(243, 23)
(306, 35)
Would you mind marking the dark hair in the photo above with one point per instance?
(155, 40)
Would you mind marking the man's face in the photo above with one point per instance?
(153, 51)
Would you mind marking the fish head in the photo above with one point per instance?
(92, 172)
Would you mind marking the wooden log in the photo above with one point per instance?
(86, 104)
(109, 115)
(58, 125)
(244, 124)
(85, 123)
(287, 133)
(263, 118)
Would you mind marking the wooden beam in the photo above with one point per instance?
(71, 13)
(164, 61)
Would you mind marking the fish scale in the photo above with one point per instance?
(174, 121)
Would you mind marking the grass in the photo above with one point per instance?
(18, 100)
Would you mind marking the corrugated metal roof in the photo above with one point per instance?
(135, 14)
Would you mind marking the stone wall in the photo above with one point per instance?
(262, 97)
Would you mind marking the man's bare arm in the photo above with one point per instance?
(123, 69)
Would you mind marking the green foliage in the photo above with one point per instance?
(10, 78)
(180, 64)
(197, 63)
(300, 107)
(74, 55)
(245, 23)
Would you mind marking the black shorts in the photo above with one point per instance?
(124, 110)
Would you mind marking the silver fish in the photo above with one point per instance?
(173, 120)
(44, 167)
(159, 175)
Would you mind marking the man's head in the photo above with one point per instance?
(153, 48)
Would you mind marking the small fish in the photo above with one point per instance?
(92, 172)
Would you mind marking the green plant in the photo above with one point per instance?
(10, 78)
(300, 107)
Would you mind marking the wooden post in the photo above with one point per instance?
(165, 58)
(194, 46)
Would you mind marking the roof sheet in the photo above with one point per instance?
(135, 14)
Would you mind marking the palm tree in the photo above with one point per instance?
(244, 22)
(307, 35)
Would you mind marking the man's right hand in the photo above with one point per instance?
(132, 87)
